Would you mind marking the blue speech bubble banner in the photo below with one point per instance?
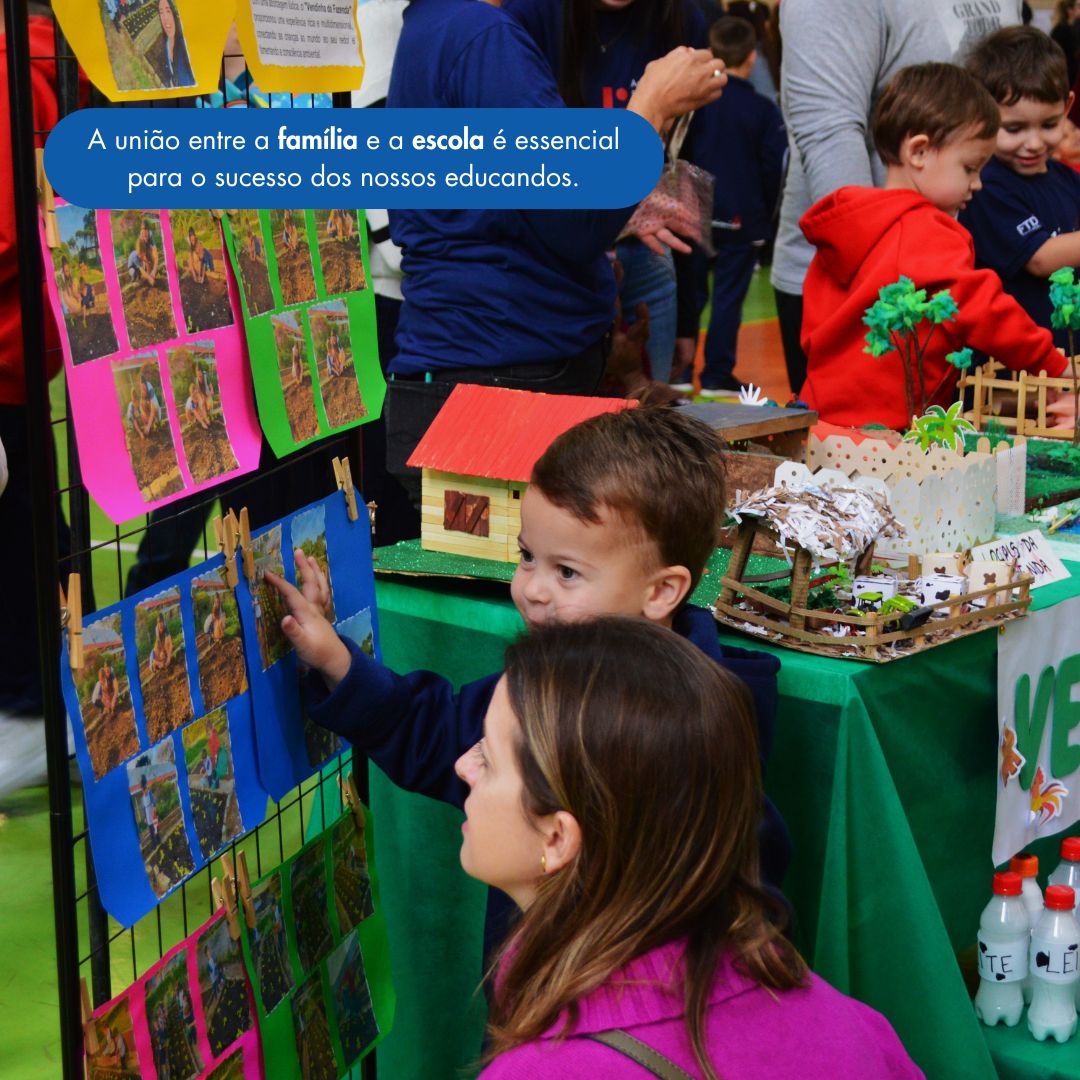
(395, 158)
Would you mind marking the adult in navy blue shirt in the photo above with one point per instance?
(506, 297)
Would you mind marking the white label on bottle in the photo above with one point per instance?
(1055, 961)
(1003, 961)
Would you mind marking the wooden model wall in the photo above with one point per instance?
(490, 532)
(1006, 396)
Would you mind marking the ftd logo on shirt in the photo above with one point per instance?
(1028, 226)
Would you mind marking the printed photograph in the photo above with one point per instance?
(232, 1068)
(266, 602)
(225, 1000)
(159, 817)
(293, 254)
(101, 685)
(215, 808)
(310, 905)
(144, 283)
(357, 1027)
(332, 341)
(80, 284)
(222, 671)
(313, 1045)
(269, 948)
(200, 263)
(337, 235)
(251, 258)
(352, 886)
(295, 375)
(116, 1056)
(197, 393)
(320, 743)
(309, 534)
(146, 44)
(163, 674)
(170, 1015)
(358, 628)
(146, 426)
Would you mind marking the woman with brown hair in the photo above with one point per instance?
(615, 797)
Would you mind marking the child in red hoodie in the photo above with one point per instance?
(935, 128)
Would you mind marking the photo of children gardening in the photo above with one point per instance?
(222, 671)
(332, 342)
(146, 44)
(101, 683)
(313, 1046)
(222, 982)
(144, 284)
(208, 756)
(80, 284)
(170, 1015)
(197, 393)
(295, 375)
(269, 948)
(309, 534)
(232, 1068)
(146, 426)
(251, 258)
(337, 234)
(289, 228)
(163, 674)
(159, 817)
(116, 1056)
(357, 1027)
(352, 886)
(200, 264)
(268, 606)
(310, 906)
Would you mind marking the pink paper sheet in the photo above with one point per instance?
(98, 416)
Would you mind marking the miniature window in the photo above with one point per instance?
(466, 513)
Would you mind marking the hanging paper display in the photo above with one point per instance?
(160, 393)
(190, 1016)
(318, 956)
(310, 320)
(164, 736)
(139, 50)
(301, 48)
(290, 746)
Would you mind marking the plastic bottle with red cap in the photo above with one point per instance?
(1055, 967)
(1004, 936)
(1027, 866)
(1067, 872)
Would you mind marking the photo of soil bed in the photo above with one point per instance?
(289, 229)
(197, 393)
(170, 1015)
(215, 809)
(269, 608)
(80, 284)
(269, 950)
(225, 1000)
(163, 674)
(101, 685)
(232, 1068)
(295, 375)
(332, 342)
(144, 283)
(352, 886)
(337, 235)
(357, 1027)
(146, 426)
(159, 817)
(320, 743)
(251, 258)
(200, 263)
(313, 1045)
(116, 1056)
(310, 905)
(222, 670)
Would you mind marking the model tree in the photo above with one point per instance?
(1065, 315)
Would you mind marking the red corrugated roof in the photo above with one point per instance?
(499, 433)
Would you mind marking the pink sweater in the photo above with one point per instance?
(815, 1033)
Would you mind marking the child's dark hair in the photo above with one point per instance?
(732, 40)
(1021, 62)
(655, 465)
(936, 100)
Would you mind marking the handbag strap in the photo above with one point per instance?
(642, 1053)
(678, 136)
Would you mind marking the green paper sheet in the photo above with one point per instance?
(309, 317)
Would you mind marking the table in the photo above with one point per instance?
(883, 773)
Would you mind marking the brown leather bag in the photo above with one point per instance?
(642, 1053)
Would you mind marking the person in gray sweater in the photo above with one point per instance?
(838, 57)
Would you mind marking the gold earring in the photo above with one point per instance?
(543, 862)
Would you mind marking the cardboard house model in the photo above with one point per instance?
(477, 457)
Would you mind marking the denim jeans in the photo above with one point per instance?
(733, 267)
(651, 278)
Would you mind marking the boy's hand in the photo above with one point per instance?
(313, 582)
(1061, 409)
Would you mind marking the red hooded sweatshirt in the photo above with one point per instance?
(867, 238)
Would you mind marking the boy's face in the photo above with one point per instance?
(1030, 132)
(572, 570)
(950, 173)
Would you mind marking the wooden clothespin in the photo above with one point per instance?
(245, 890)
(225, 534)
(73, 609)
(223, 900)
(372, 507)
(47, 202)
(245, 545)
(90, 1039)
(351, 796)
(343, 476)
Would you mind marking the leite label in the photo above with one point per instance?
(1055, 961)
(1003, 961)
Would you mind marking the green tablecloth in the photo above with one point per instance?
(883, 773)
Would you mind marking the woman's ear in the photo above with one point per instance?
(666, 590)
(562, 841)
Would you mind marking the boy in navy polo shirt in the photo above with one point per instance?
(741, 140)
(1026, 220)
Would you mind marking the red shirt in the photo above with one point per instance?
(867, 238)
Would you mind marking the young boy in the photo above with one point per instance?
(741, 140)
(935, 128)
(1025, 221)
